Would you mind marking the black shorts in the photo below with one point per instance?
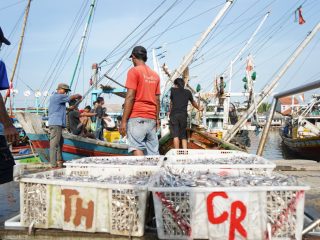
(6, 162)
(178, 125)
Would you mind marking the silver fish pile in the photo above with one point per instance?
(134, 180)
(182, 178)
(207, 159)
(146, 161)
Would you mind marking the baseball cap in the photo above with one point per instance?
(139, 52)
(64, 86)
(3, 39)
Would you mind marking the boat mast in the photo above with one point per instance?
(18, 55)
(189, 57)
(270, 87)
(93, 2)
(227, 100)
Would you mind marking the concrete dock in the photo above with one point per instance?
(307, 171)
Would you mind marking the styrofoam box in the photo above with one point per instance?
(81, 167)
(190, 159)
(82, 206)
(229, 212)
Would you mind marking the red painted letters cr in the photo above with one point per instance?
(235, 222)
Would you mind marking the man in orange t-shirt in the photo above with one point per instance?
(141, 107)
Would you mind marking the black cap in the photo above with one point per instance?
(3, 39)
(139, 52)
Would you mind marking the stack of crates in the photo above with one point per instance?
(218, 161)
(74, 199)
(226, 212)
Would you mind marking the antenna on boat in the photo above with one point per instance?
(227, 100)
(273, 84)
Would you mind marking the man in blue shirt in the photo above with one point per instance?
(7, 130)
(57, 121)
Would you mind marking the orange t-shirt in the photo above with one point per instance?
(146, 82)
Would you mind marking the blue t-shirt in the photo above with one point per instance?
(57, 109)
(4, 83)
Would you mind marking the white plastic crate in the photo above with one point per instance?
(176, 152)
(223, 162)
(100, 166)
(257, 212)
(82, 206)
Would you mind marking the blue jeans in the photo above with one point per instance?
(99, 130)
(142, 135)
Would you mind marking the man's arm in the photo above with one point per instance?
(158, 111)
(84, 114)
(75, 96)
(128, 105)
(10, 131)
(196, 105)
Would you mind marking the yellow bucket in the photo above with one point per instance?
(111, 136)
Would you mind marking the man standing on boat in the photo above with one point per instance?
(57, 121)
(7, 131)
(99, 110)
(180, 98)
(140, 118)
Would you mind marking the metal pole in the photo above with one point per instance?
(266, 128)
(19, 52)
(82, 41)
(270, 87)
(226, 112)
(189, 57)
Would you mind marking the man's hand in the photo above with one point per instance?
(158, 124)
(11, 133)
(201, 109)
(123, 128)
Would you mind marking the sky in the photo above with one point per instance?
(54, 31)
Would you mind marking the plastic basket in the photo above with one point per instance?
(222, 162)
(229, 212)
(100, 166)
(82, 206)
(176, 152)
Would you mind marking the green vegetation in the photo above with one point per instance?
(264, 107)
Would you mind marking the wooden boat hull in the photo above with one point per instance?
(74, 147)
(305, 147)
(197, 140)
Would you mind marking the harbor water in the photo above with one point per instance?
(9, 193)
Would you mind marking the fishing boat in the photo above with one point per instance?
(74, 147)
(302, 132)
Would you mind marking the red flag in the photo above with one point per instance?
(301, 19)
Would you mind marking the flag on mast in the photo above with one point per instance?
(301, 19)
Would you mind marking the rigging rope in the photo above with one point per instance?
(154, 23)
(136, 28)
(60, 55)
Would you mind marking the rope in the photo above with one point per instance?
(115, 64)
(136, 28)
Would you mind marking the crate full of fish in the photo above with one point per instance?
(224, 162)
(97, 166)
(115, 203)
(202, 205)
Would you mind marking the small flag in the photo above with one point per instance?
(301, 96)
(250, 65)
(301, 19)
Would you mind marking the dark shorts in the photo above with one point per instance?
(6, 162)
(178, 125)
